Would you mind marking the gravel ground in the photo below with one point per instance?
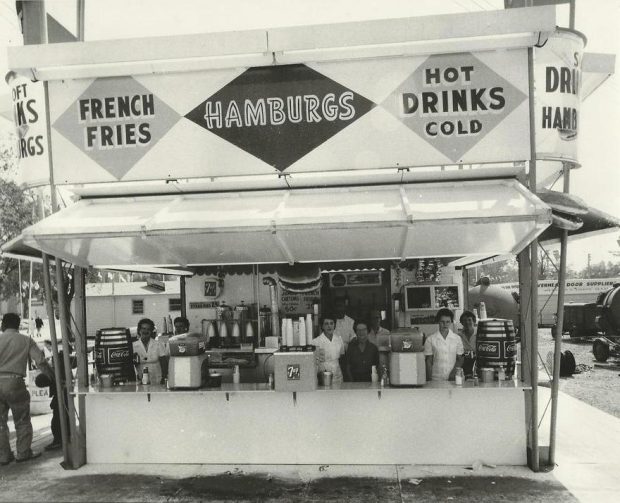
(597, 386)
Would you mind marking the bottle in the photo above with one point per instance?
(146, 378)
(483, 311)
(501, 374)
(236, 375)
(374, 376)
(459, 377)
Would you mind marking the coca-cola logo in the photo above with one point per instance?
(488, 348)
(115, 355)
(510, 348)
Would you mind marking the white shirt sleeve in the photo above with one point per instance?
(428, 347)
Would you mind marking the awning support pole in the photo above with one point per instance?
(534, 458)
(555, 384)
(81, 353)
(49, 302)
(64, 327)
(183, 296)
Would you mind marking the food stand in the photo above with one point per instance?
(295, 146)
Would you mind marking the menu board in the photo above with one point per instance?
(298, 303)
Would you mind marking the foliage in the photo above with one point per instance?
(16, 212)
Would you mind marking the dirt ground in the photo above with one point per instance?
(596, 385)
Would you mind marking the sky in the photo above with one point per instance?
(597, 181)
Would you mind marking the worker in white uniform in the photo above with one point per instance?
(151, 353)
(329, 349)
(344, 323)
(443, 349)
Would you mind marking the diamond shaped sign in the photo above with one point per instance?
(115, 121)
(280, 113)
(452, 101)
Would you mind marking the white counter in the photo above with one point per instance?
(354, 423)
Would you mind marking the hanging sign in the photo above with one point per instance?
(30, 121)
(557, 76)
(358, 114)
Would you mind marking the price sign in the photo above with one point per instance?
(298, 303)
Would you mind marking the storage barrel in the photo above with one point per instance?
(114, 354)
(496, 345)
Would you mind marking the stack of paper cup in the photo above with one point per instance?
(283, 333)
(302, 331)
(309, 335)
(289, 332)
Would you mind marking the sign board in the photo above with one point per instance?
(572, 286)
(557, 73)
(358, 114)
(30, 119)
(298, 303)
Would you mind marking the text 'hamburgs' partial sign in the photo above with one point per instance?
(279, 114)
(557, 74)
(29, 117)
(360, 114)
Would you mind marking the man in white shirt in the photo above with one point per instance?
(378, 335)
(443, 349)
(344, 324)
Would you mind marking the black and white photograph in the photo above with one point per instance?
(309, 251)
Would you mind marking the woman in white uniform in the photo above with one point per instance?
(151, 353)
(330, 348)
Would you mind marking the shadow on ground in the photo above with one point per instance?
(263, 487)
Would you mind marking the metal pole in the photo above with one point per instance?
(535, 461)
(64, 328)
(81, 352)
(465, 283)
(19, 280)
(555, 384)
(183, 296)
(30, 300)
(571, 21)
(81, 8)
(47, 284)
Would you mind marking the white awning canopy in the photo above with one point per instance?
(304, 225)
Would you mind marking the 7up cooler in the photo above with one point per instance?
(294, 371)
(496, 345)
(114, 354)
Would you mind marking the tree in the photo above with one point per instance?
(16, 212)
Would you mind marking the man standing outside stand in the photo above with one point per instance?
(15, 350)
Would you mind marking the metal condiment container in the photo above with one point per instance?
(487, 374)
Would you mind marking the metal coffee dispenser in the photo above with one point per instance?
(407, 363)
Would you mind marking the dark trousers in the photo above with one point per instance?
(14, 397)
(57, 410)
